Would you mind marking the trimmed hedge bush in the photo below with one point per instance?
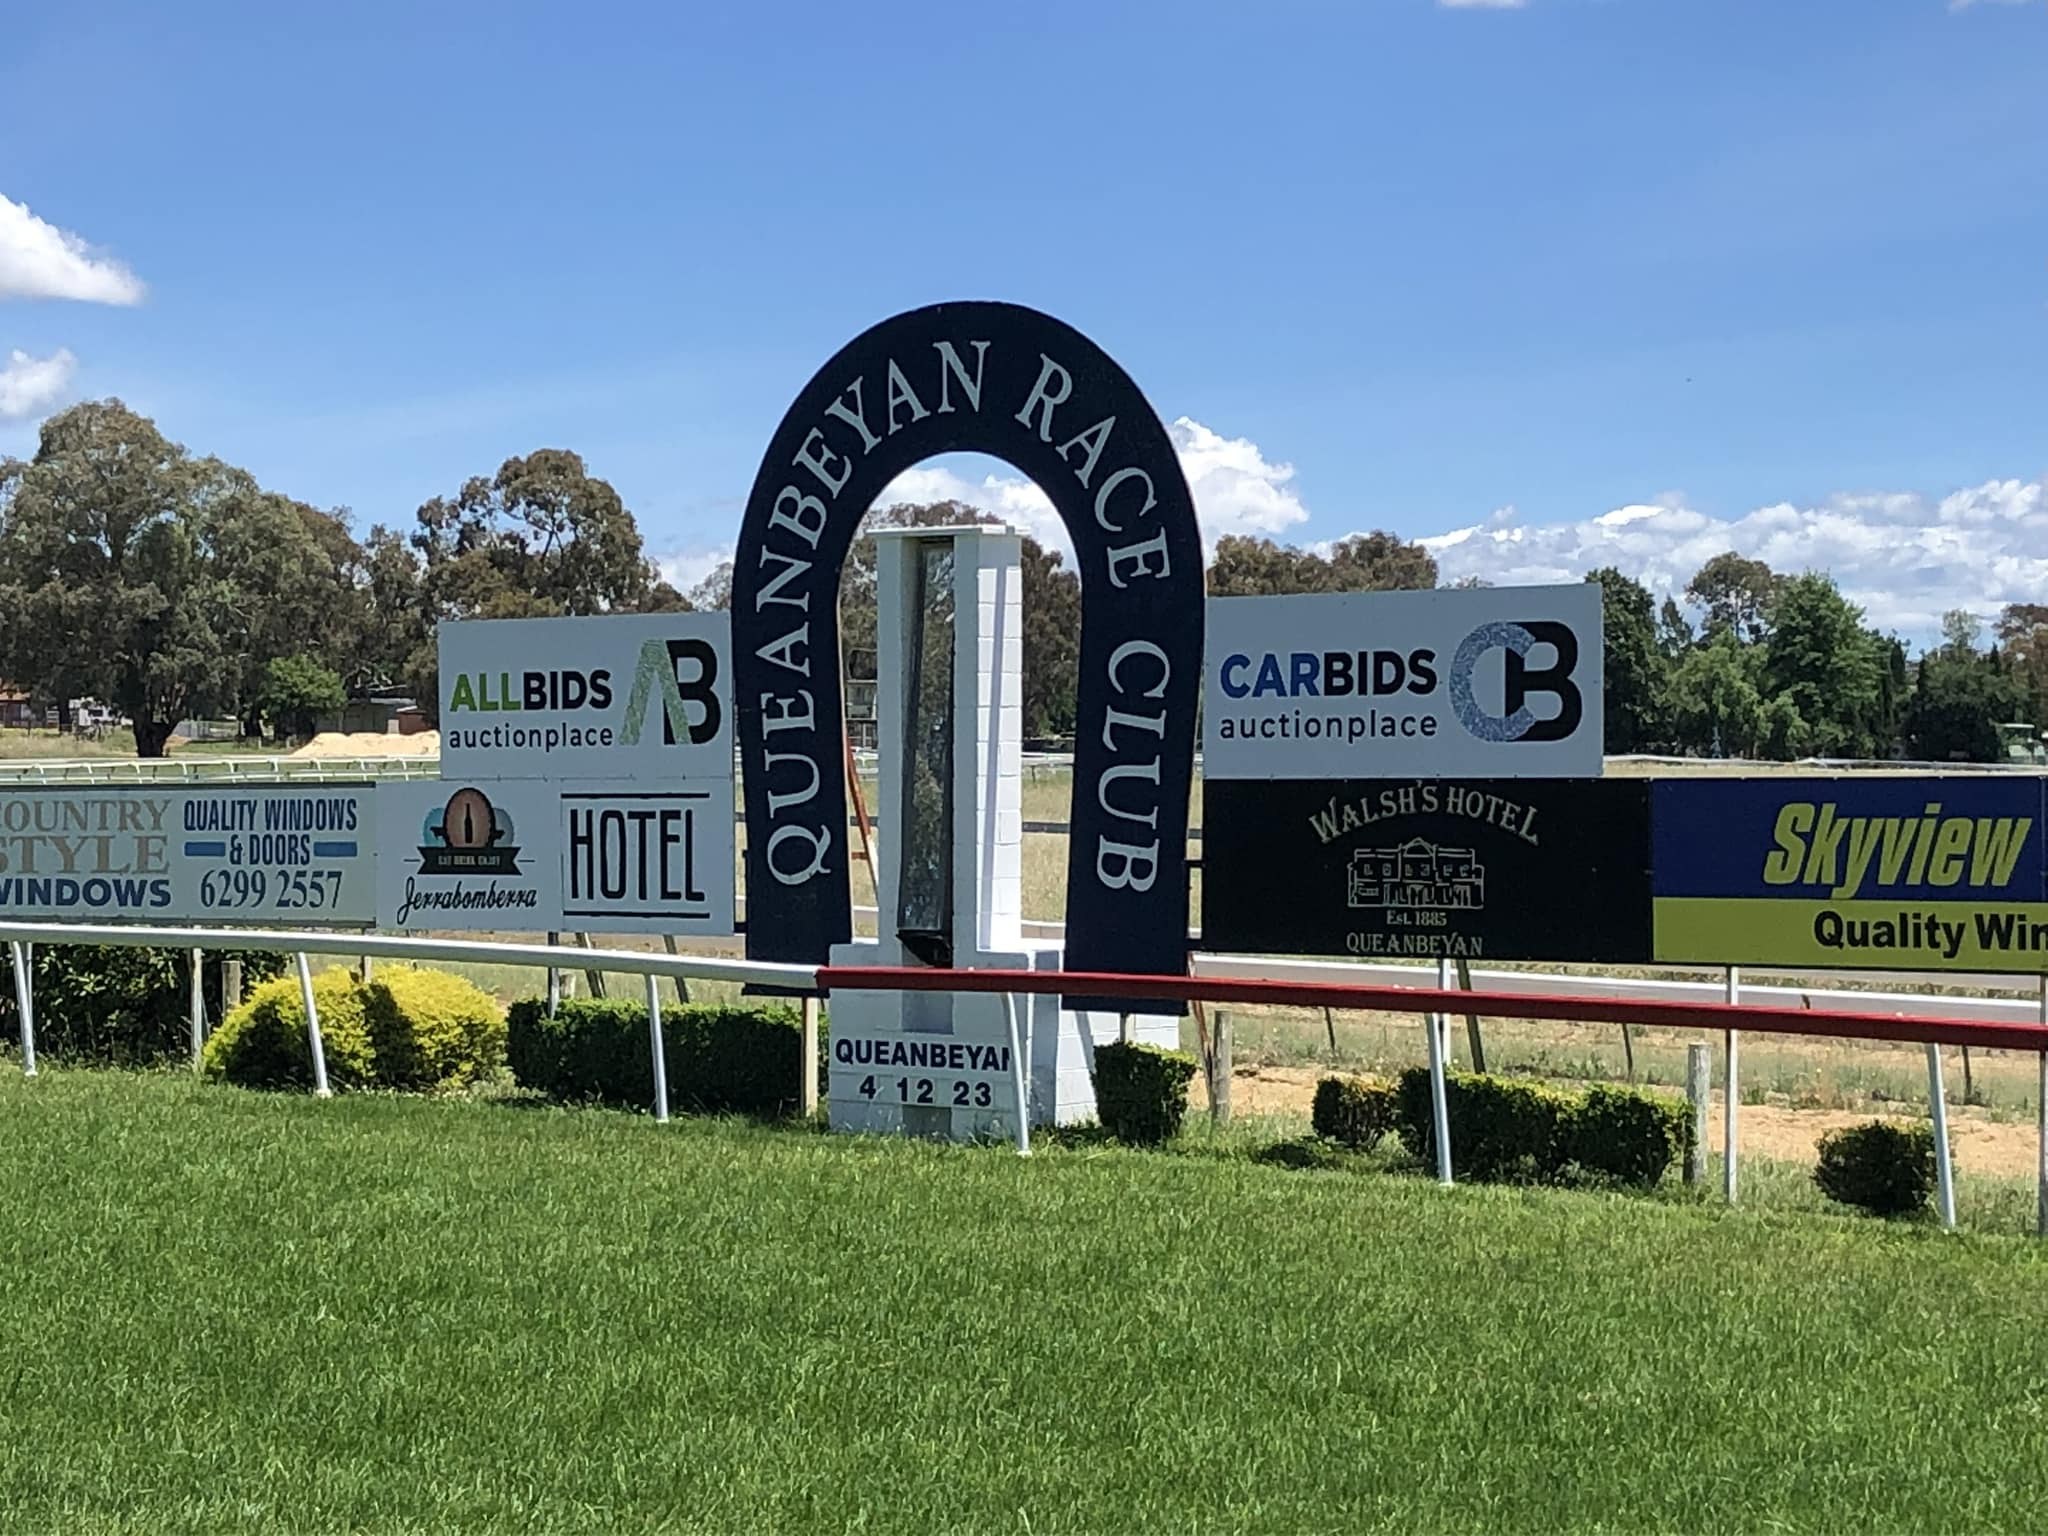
(406, 1029)
(116, 1006)
(1628, 1137)
(721, 1060)
(1510, 1131)
(1141, 1091)
(1354, 1111)
(1885, 1169)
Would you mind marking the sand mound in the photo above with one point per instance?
(371, 744)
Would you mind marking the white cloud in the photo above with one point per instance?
(1905, 558)
(40, 261)
(683, 569)
(31, 385)
(1237, 489)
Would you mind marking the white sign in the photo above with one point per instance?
(621, 696)
(943, 1071)
(1489, 682)
(253, 854)
(530, 856)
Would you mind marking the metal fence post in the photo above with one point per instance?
(1699, 1088)
(2041, 1114)
(320, 1088)
(1731, 1094)
(1944, 1171)
(25, 1003)
(1020, 1078)
(1438, 1098)
(656, 1045)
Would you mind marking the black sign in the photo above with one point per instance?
(1480, 869)
(1002, 380)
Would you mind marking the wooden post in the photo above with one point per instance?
(1699, 1087)
(595, 978)
(809, 1009)
(1969, 1083)
(554, 980)
(683, 993)
(1123, 1028)
(1219, 1078)
(1472, 1037)
(1628, 1049)
(1330, 1026)
(230, 986)
(365, 966)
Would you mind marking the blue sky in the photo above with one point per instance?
(1551, 284)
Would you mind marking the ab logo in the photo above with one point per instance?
(1515, 721)
(661, 668)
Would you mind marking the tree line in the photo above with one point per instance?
(172, 586)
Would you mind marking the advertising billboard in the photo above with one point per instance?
(256, 854)
(530, 856)
(1874, 873)
(1492, 869)
(1491, 682)
(619, 696)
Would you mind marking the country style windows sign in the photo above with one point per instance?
(1500, 682)
(526, 855)
(1480, 869)
(619, 696)
(1873, 873)
(247, 855)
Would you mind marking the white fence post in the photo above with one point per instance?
(659, 1049)
(320, 1088)
(1438, 1099)
(25, 1003)
(198, 1006)
(1731, 1093)
(1020, 1074)
(2041, 1114)
(1944, 1171)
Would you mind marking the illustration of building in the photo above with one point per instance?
(1417, 874)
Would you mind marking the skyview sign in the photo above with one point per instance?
(1876, 873)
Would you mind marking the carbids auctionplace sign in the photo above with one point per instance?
(1497, 682)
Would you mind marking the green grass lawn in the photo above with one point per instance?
(225, 1310)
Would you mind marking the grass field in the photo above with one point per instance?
(227, 1310)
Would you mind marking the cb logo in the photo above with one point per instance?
(1516, 721)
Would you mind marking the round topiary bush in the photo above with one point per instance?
(406, 1029)
(430, 1029)
(263, 1044)
(1882, 1168)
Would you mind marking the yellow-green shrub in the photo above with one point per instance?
(262, 1044)
(430, 1029)
(408, 1029)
